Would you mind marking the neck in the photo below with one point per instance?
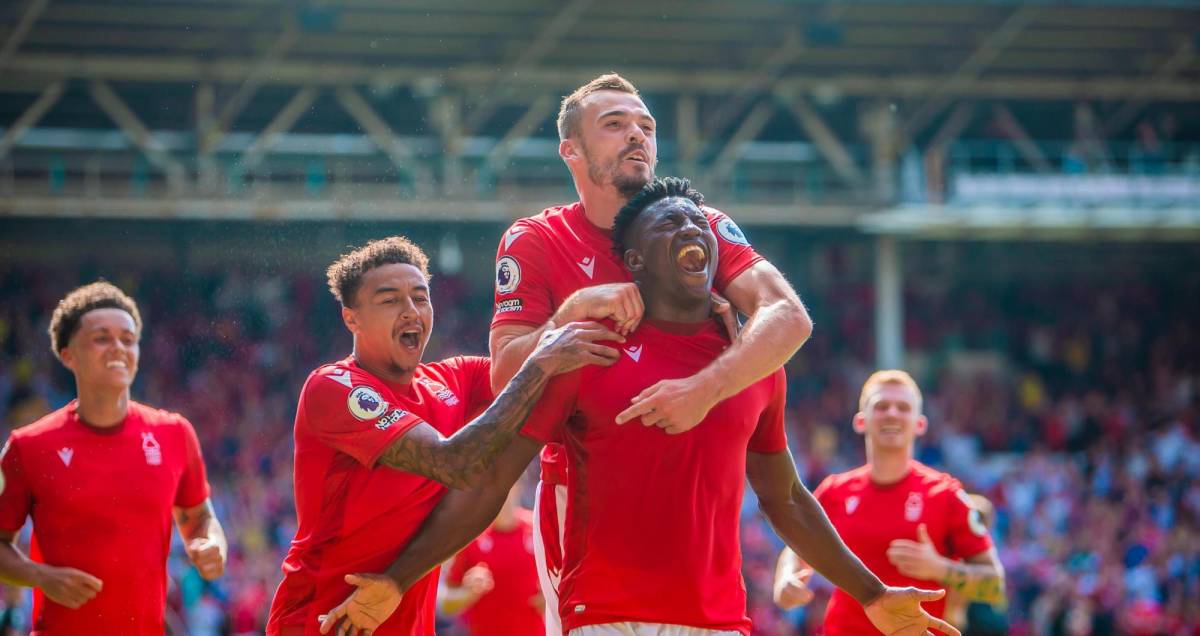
(102, 407)
(383, 370)
(888, 466)
(662, 307)
(600, 203)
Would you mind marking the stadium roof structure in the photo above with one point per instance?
(442, 91)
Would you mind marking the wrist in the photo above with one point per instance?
(875, 590)
(709, 386)
(38, 574)
(942, 568)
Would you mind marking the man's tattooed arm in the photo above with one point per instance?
(979, 579)
(462, 459)
(459, 461)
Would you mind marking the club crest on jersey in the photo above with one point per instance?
(913, 506)
(152, 449)
(731, 232)
(440, 391)
(365, 403)
(508, 275)
(386, 421)
(851, 504)
(634, 352)
(65, 454)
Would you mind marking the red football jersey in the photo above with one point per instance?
(507, 610)
(100, 500)
(353, 516)
(652, 519)
(869, 517)
(543, 259)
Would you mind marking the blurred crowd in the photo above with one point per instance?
(1074, 408)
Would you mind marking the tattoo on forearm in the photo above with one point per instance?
(976, 583)
(460, 460)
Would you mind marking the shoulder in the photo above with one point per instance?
(851, 479)
(724, 226)
(540, 223)
(937, 483)
(458, 367)
(156, 417)
(338, 377)
(46, 426)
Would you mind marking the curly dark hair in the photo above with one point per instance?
(70, 310)
(656, 190)
(345, 274)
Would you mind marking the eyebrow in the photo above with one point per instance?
(385, 290)
(625, 111)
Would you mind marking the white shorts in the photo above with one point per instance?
(646, 629)
(549, 518)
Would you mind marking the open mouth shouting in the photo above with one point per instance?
(691, 258)
(410, 337)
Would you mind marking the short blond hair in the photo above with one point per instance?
(569, 110)
(888, 376)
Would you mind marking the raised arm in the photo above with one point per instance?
(803, 525)
(203, 538)
(457, 519)
(462, 459)
(65, 586)
(778, 325)
(511, 344)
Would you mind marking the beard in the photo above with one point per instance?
(626, 185)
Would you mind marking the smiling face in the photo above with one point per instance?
(616, 145)
(672, 252)
(891, 418)
(103, 352)
(391, 319)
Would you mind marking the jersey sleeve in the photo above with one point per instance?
(734, 253)
(353, 414)
(193, 486)
(17, 498)
(770, 436)
(476, 378)
(554, 408)
(522, 290)
(967, 534)
(822, 491)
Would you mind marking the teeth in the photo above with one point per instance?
(692, 258)
(116, 364)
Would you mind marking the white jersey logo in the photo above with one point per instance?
(588, 265)
(342, 378)
(851, 504)
(634, 352)
(152, 449)
(512, 236)
(65, 454)
(913, 506)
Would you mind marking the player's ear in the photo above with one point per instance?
(68, 358)
(860, 423)
(568, 150)
(634, 261)
(350, 318)
(922, 425)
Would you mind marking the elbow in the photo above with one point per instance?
(799, 325)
